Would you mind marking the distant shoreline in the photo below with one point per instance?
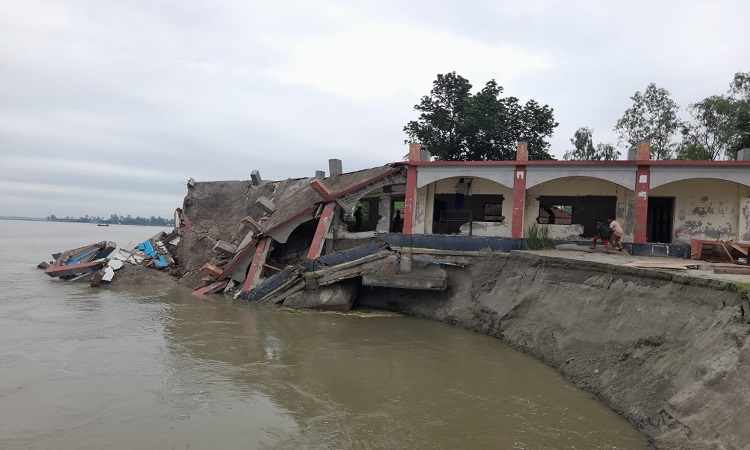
(169, 223)
(33, 219)
(42, 219)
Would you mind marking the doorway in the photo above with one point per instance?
(659, 221)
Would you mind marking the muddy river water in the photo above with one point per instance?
(150, 368)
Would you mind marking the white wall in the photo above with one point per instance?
(704, 208)
(426, 199)
(708, 209)
(581, 186)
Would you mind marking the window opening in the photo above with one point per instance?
(493, 212)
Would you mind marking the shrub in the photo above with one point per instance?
(537, 237)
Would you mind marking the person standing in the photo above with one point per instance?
(358, 218)
(397, 225)
(617, 233)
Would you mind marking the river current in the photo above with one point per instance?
(154, 368)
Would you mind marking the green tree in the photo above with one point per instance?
(583, 145)
(607, 152)
(584, 150)
(690, 151)
(720, 124)
(709, 135)
(653, 116)
(739, 91)
(456, 125)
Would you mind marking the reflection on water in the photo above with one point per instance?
(102, 368)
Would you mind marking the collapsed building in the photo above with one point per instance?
(299, 242)
(275, 239)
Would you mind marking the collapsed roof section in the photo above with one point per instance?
(255, 217)
(344, 189)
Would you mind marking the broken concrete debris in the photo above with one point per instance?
(212, 270)
(266, 205)
(292, 242)
(255, 177)
(225, 248)
(98, 262)
(79, 261)
(270, 240)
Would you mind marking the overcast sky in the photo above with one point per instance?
(109, 107)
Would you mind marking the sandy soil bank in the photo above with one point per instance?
(669, 352)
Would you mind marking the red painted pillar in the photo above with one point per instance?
(642, 183)
(256, 267)
(411, 189)
(519, 191)
(324, 224)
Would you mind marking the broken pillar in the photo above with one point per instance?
(177, 218)
(384, 210)
(253, 224)
(743, 155)
(405, 265)
(255, 177)
(212, 270)
(191, 183)
(225, 248)
(335, 167)
(266, 205)
(334, 297)
(320, 188)
(324, 224)
(320, 174)
(256, 266)
(424, 155)
(210, 289)
(97, 279)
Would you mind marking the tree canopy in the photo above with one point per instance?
(584, 150)
(720, 125)
(709, 134)
(740, 98)
(718, 128)
(456, 125)
(653, 116)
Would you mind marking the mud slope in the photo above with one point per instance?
(669, 353)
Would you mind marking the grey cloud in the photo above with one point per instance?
(178, 89)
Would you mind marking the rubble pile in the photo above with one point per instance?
(73, 264)
(273, 241)
(277, 239)
(97, 263)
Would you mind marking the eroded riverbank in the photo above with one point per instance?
(670, 353)
(151, 366)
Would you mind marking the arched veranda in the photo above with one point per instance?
(464, 205)
(699, 208)
(571, 206)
